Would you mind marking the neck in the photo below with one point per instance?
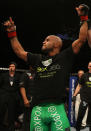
(53, 53)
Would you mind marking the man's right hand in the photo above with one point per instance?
(12, 35)
(9, 25)
(26, 103)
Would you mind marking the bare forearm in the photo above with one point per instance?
(18, 49)
(77, 90)
(82, 38)
(23, 93)
(83, 32)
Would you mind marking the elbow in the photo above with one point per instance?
(22, 55)
(82, 40)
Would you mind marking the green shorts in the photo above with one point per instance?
(49, 117)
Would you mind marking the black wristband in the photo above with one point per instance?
(73, 98)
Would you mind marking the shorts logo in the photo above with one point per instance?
(38, 128)
(37, 119)
(51, 109)
(56, 117)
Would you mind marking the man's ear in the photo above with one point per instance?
(56, 45)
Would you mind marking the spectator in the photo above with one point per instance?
(9, 94)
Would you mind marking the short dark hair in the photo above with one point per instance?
(13, 63)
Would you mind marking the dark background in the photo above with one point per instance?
(36, 19)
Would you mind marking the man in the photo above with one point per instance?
(76, 96)
(52, 71)
(77, 99)
(85, 94)
(9, 96)
(26, 85)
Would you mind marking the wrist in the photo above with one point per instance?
(84, 18)
(12, 34)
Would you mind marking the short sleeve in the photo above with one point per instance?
(33, 59)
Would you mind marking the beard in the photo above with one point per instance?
(46, 50)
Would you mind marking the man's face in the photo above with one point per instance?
(12, 67)
(48, 44)
(80, 73)
(79, 10)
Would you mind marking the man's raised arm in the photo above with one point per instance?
(82, 11)
(77, 44)
(11, 30)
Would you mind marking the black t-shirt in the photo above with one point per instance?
(51, 75)
(76, 83)
(9, 85)
(27, 82)
(85, 91)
